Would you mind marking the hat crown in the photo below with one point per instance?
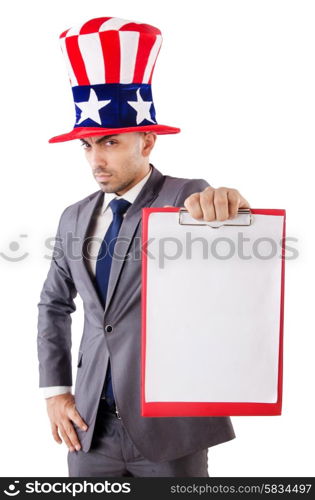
(111, 50)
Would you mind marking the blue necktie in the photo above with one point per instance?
(103, 265)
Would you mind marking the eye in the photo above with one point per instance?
(110, 141)
(85, 145)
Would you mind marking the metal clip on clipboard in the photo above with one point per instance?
(244, 218)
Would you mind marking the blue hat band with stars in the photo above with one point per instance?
(113, 105)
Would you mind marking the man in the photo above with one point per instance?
(95, 256)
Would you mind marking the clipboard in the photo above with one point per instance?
(212, 322)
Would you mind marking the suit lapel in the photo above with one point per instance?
(85, 216)
(130, 223)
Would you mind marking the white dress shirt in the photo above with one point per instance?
(102, 221)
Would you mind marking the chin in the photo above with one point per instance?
(106, 188)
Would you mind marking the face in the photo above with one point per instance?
(119, 161)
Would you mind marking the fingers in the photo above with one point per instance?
(77, 419)
(234, 199)
(62, 412)
(67, 430)
(69, 436)
(207, 206)
(221, 204)
(54, 430)
(215, 204)
(192, 204)
(244, 203)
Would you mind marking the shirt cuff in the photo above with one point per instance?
(55, 390)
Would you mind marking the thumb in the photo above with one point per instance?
(244, 203)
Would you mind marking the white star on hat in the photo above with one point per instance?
(142, 107)
(90, 109)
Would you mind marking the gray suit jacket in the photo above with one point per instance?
(157, 438)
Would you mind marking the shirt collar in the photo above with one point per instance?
(129, 195)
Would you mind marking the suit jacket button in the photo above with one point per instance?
(108, 328)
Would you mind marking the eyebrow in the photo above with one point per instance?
(103, 138)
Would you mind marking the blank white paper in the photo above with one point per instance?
(212, 324)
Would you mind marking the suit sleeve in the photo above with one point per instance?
(190, 187)
(54, 319)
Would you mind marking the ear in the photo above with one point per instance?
(149, 139)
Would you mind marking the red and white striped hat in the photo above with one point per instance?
(110, 64)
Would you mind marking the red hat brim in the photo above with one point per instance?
(81, 132)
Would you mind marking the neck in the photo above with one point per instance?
(134, 182)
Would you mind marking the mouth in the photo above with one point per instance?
(102, 176)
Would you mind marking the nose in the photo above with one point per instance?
(97, 158)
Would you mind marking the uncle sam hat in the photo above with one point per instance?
(110, 63)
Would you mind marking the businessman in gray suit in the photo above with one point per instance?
(105, 440)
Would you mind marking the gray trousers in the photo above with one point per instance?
(113, 454)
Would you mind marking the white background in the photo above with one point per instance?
(238, 78)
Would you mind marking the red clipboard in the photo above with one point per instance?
(240, 370)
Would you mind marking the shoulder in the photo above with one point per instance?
(72, 209)
(183, 181)
(82, 202)
(184, 186)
